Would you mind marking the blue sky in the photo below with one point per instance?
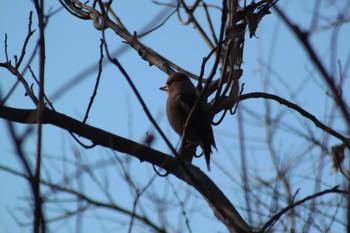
(273, 62)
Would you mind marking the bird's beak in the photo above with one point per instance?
(164, 87)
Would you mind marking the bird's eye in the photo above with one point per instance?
(169, 82)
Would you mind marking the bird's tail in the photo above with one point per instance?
(207, 149)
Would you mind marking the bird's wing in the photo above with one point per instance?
(202, 123)
(187, 100)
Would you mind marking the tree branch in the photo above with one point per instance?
(221, 206)
(90, 200)
(229, 104)
(277, 216)
(303, 37)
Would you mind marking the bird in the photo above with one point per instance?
(182, 97)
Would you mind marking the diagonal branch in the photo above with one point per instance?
(276, 217)
(303, 37)
(221, 206)
(90, 200)
(228, 104)
(101, 22)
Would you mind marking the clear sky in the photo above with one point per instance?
(274, 62)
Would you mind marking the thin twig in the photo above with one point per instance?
(6, 54)
(210, 23)
(277, 216)
(94, 93)
(159, 25)
(329, 79)
(20, 78)
(91, 201)
(29, 35)
(291, 105)
(195, 23)
(139, 97)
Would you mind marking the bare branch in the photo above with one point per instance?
(291, 105)
(276, 217)
(221, 206)
(97, 82)
(328, 78)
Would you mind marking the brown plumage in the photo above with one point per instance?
(181, 98)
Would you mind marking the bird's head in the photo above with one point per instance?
(178, 82)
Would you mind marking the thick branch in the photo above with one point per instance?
(219, 203)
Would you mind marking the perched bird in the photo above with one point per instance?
(181, 98)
